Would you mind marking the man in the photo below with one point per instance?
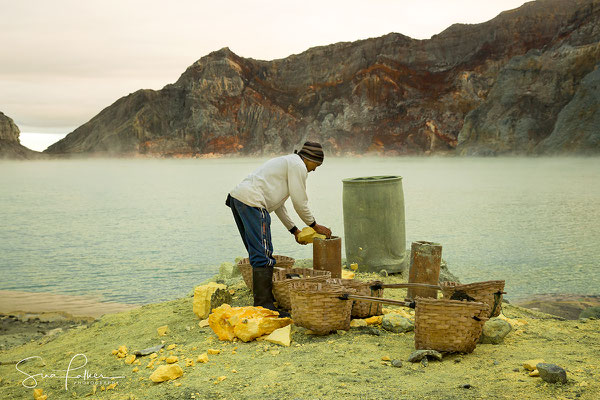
(264, 191)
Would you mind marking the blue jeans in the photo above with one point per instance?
(254, 225)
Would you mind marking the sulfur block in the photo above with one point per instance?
(209, 296)
(162, 330)
(355, 323)
(308, 234)
(166, 372)
(281, 336)
(376, 320)
(531, 365)
(347, 274)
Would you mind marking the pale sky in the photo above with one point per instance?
(63, 61)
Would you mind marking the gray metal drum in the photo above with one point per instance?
(374, 230)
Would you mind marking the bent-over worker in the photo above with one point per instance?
(264, 191)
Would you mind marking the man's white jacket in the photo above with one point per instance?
(272, 184)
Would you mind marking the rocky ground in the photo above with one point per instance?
(367, 362)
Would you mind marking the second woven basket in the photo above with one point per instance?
(448, 325)
(317, 306)
(488, 292)
(283, 278)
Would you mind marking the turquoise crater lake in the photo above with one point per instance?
(142, 231)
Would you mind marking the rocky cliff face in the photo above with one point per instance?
(391, 95)
(520, 114)
(8, 130)
(10, 146)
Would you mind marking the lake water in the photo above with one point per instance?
(141, 231)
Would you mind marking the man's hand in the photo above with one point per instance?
(296, 234)
(323, 230)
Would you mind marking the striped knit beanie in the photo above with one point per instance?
(312, 151)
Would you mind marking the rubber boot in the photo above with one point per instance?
(262, 288)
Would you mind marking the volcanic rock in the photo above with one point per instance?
(391, 95)
(10, 146)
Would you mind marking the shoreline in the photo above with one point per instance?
(13, 302)
(16, 301)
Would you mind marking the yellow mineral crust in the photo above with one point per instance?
(347, 274)
(166, 372)
(245, 323)
(203, 296)
(308, 234)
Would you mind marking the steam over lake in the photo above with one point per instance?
(141, 231)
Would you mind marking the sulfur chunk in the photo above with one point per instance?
(166, 372)
(244, 323)
(308, 234)
(162, 330)
(209, 296)
(281, 336)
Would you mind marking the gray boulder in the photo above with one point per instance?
(494, 331)
(419, 355)
(396, 323)
(552, 373)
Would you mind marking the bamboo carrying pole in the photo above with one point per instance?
(425, 260)
(408, 285)
(346, 296)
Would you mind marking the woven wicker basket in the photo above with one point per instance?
(281, 283)
(489, 292)
(246, 269)
(317, 306)
(362, 309)
(448, 325)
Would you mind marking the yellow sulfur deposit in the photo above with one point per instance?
(130, 359)
(308, 234)
(203, 323)
(347, 274)
(513, 322)
(162, 330)
(355, 323)
(281, 336)
(209, 296)
(38, 394)
(166, 372)
(531, 365)
(172, 359)
(202, 358)
(375, 320)
(245, 323)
